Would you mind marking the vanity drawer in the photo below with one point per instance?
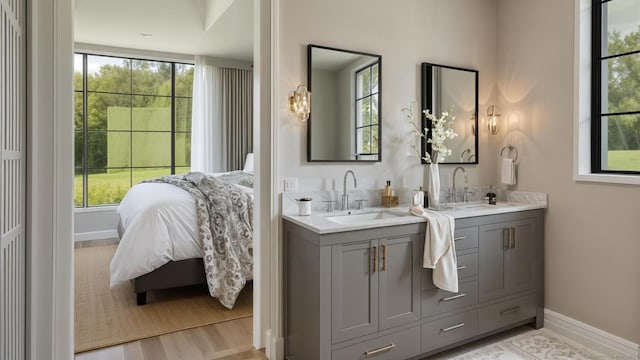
(507, 312)
(467, 266)
(437, 301)
(467, 269)
(400, 345)
(466, 238)
(449, 330)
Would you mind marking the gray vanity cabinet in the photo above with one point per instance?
(368, 284)
(375, 286)
(364, 294)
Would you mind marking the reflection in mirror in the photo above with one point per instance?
(344, 124)
(447, 88)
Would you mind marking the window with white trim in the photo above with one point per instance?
(615, 99)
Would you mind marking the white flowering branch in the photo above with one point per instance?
(441, 130)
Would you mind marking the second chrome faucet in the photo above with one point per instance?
(345, 196)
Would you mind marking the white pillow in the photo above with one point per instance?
(248, 163)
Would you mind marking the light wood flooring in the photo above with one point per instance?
(228, 340)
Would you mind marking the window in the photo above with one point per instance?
(132, 122)
(615, 106)
(367, 111)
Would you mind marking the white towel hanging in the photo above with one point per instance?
(507, 171)
(439, 248)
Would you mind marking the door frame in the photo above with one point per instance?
(49, 179)
(50, 310)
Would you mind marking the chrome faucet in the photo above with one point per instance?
(464, 194)
(345, 196)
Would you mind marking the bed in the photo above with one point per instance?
(161, 235)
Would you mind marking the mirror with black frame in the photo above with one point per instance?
(344, 124)
(453, 89)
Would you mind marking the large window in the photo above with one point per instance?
(132, 122)
(615, 142)
(367, 111)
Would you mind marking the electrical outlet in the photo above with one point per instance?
(291, 185)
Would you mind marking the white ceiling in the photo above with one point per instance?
(218, 28)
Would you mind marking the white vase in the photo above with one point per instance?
(434, 186)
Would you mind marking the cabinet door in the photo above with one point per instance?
(521, 257)
(399, 281)
(507, 267)
(354, 290)
(492, 261)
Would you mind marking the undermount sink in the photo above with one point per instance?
(480, 206)
(364, 217)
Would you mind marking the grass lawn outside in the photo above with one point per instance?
(624, 160)
(109, 188)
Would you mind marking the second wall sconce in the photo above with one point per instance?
(493, 120)
(300, 103)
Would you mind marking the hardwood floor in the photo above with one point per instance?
(228, 340)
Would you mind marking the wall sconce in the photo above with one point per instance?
(300, 103)
(493, 121)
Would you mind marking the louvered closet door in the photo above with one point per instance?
(12, 179)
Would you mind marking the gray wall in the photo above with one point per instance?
(592, 240)
(455, 32)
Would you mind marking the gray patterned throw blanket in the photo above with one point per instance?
(225, 218)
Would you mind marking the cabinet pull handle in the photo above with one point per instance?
(506, 239)
(459, 238)
(510, 310)
(375, 258)
(377, 351)
(457, 326)
(461, 267)
(384, 257)
(459, 296)
(512, 238)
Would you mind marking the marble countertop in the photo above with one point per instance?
(337, 221)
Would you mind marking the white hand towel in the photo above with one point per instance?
(439, 248)
(507, 171)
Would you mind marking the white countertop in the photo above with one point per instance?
(320, 222)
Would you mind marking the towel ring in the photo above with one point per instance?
(509, 147)
(468, 150)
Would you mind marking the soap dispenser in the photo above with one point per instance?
(491, 195)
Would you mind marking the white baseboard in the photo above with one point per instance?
(275, 346)
(594, 338)
(95, 235)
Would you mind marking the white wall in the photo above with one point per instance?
(592, 270)
(454, 32)
(95, 223)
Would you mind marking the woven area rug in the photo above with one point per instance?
(531, 345)
(106, 317)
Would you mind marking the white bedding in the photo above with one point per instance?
(160, 225)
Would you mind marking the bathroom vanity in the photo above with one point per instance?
(356, 289)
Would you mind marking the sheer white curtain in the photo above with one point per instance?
(207, 154)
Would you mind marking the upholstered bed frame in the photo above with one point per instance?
(173, 274)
